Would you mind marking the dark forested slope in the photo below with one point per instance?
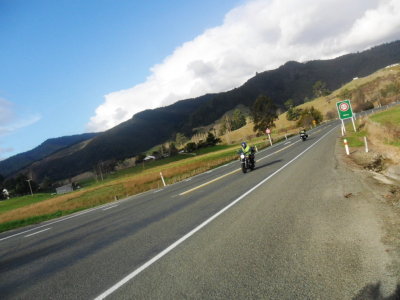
(17, 162)
(146, 129)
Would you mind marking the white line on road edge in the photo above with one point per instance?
(192, 232)
(37, 232)
(57, 221)
(110, 207)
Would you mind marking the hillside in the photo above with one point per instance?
(151, 127)
(17, 162)
(360, 91)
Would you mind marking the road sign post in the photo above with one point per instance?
(268, 131)
(345, 112)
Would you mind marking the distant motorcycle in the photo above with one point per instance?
(247, 161)
(303, 136)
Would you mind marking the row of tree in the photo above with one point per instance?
(264, 111)
(20, 185)
(238, 120)
(304, 116)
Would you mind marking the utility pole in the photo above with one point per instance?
(29, 182)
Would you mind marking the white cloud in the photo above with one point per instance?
(257, 36)
(10, 121)
(4, 151)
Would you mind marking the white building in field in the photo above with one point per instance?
(64, 189)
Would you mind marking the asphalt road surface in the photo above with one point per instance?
(282, 231)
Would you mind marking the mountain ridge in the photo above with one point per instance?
(48, 147)
(292, 80)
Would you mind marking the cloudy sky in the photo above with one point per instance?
(72, 66)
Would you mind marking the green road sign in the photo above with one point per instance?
(344, 109)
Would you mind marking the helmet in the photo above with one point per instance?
(244, 145)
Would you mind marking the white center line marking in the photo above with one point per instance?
(37, 232)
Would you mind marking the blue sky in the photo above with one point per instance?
(59, 58)
(69, 67)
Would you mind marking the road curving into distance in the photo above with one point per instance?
(270, 233)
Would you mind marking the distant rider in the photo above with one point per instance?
(303, 131)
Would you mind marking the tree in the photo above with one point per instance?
(212, 140)
(308, 115)
(46, 184)
(289, 104)
(320, 89)
(263, 113)
(180, 139)
(293, 114)
(22, 185)
(190, 147)
(222, 129)
(238, 120)
(9, 184)
(139, 158)
(172, 149)
(226, 125)
(359, 101)
(330, 115)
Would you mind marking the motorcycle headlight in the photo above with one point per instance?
(242, 156)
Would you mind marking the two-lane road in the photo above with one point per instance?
(221, 234)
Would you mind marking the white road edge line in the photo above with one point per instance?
(192, 232)
(110, 207)
(37, 232)
(57, 221)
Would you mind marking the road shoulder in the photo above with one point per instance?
(382, 195)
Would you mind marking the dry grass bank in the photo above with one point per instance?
(120, 188)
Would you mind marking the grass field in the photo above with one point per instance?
(14, 203)
(26, 210)
(389, 117)
(355, 139)
(388, 130)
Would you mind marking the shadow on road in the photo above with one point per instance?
(373, 292)
(267, 164)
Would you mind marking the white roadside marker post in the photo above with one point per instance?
(162, 178)
(366, 144)
(354, 125)
(346, 146)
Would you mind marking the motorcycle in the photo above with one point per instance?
(303, 136)
(247, 161)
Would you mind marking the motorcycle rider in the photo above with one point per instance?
(247, 150)
(303, 131)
